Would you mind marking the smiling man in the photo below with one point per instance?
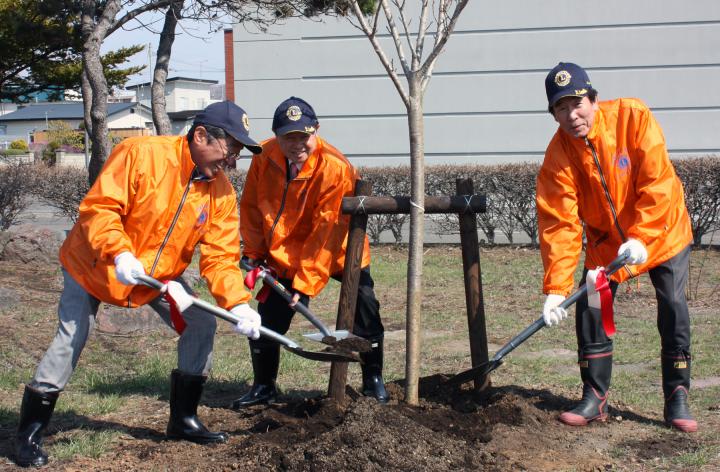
(291, 222)
(607, 172)
(156, 199)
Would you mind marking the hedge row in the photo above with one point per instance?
(509, 188)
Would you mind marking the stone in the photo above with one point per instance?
(28, 244)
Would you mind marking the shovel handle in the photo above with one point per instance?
(538, 324)
(287, 296)
(221, 313)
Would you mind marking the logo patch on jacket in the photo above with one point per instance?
(622, 161)
(202, 216)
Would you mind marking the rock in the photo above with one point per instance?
(116, 320)
(8, 298)
(29, 244)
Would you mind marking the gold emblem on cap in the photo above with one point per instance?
(562, 78)
(581, 92)
(309, 129)
(294, 113)
(246, 122)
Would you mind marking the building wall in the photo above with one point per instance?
(486, 101)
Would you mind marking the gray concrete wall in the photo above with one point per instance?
(486, 101)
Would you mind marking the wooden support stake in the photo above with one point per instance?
(349, 289)
(473, 285)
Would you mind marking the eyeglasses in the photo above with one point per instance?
(230, 155)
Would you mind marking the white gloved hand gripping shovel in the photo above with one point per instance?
(482, 370)
(184, 300)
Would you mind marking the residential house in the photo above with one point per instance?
(32, 120)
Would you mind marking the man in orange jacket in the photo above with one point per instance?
(607, 169)
(290, 220)
(156, 199)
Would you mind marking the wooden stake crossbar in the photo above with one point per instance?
(466, 204)
(401, 205)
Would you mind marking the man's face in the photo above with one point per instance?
(212, 155)
(297, 146)
(575, 115)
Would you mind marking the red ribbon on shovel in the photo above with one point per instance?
(176, 319)
(602, 286)
(251, 279)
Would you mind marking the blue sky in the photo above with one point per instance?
(196, 52)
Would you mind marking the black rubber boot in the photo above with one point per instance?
(265, 362)
(35, 412)
(185, 393)
(372, 365)
(595, 362)
(676, 387)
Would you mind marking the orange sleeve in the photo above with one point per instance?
(251, 221)
(220, 252)
(108, 201)
(654, 177)
(560, 229)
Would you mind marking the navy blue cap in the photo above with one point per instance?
(294, 115)
(230, 118)
(566, 80)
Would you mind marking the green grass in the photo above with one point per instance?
(82, 442)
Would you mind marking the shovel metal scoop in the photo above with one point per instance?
(184, 300)
(341, 338)
(483, 369)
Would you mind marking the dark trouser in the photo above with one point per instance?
(276, 313)
(673, 317)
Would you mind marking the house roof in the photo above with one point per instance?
(183, 115)
(62, 111)
(174, 79)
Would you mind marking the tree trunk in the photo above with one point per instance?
(94, 32)
(167, 38)
(417, 231)
(87, 102)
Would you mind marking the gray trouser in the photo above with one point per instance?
(76, 315)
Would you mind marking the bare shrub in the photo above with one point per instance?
(14, 191)
(62, 188)
(701, 182)
(393, 181)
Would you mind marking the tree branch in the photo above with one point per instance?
(371, 35)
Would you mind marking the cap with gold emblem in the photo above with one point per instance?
(294, 115)
(566, 80)
(230, 118)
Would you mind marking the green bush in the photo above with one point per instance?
(13, 152)
(19, 144)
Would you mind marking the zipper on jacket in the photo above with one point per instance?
(605, 188)
(172, 226)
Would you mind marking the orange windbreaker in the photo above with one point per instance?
(641, 182)
(145, 202)
(297, 226)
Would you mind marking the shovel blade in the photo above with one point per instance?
(476, 372)
(325, 356)
(342, 339)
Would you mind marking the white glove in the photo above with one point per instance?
(182, 299)
(249, 321)
(127, 267)
(638, 253)
(592, 294)
(552, 313)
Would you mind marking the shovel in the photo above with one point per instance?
(485, 368)
(184, 300)
(341, 338)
